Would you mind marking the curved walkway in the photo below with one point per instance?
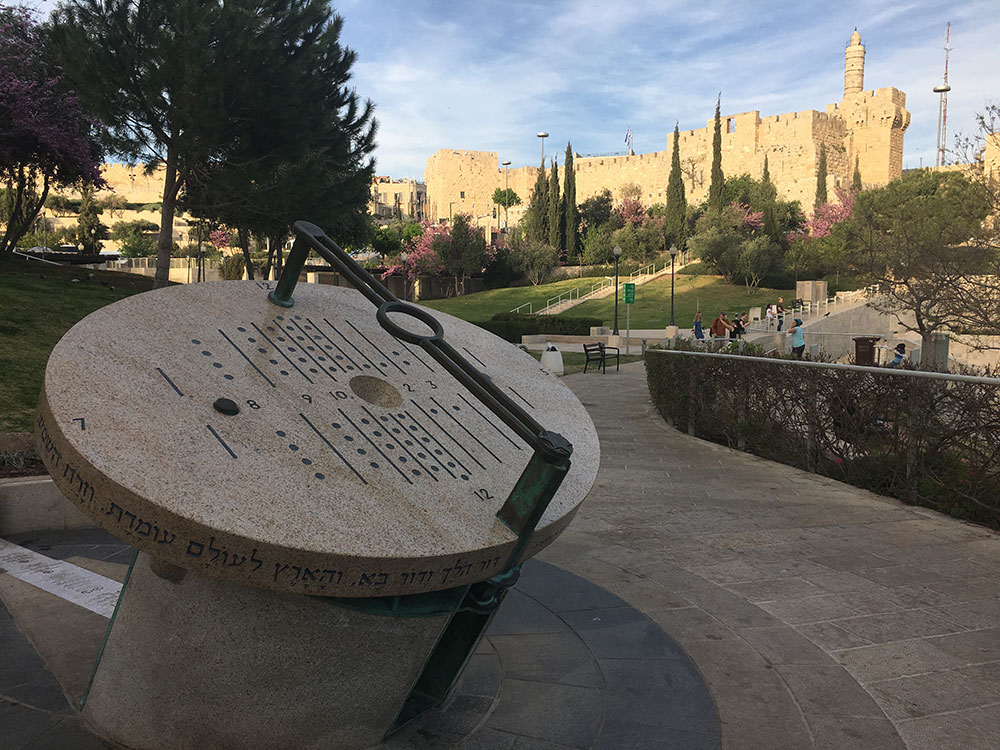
(821, 615)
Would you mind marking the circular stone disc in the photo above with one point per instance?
(356, 465)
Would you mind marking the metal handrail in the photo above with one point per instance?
(521, 307)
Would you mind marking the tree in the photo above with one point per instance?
(630, 211)
(506, 197)
(766, 176)
(557, 220)
(715, 186)
(920, 239)
(463, 252)
(856, 180)
(821, 176)
(675, 225)
(534, 259)
(190, 85)
(536, 218)
(571, 210)
(89, 229)
(45, 137)
(134, 240)
(596, 210)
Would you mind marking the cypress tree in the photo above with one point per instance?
(536, 218)
(718, 179)
(856, 182)
(676, 216)
(557, 230)
(821, 176)
(766, 177)
(770, 226)
(570, 209)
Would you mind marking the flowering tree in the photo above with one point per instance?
(421, 260)
(827, 215)
(220, 238)
(45, 138)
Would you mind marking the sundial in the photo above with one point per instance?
(319, 440)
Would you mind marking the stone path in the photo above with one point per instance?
(821, 616)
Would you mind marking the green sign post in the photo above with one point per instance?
(628, 294)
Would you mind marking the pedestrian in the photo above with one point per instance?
(798, 338)
(699, 334)
(779, 311)
(739, 326)
(769, 314)
(899, 355)
(720, 326)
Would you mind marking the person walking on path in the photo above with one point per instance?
(739, 326)
(798, 338)
(899, 356)
(779, 310)
(697, 330)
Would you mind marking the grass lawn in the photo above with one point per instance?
(38, 304)
(573, 361)
(484, 305)
(710, 294)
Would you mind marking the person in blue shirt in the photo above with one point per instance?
(798, 338)
(900, 355)
(697, 329)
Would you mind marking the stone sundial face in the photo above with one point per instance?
(302, 449)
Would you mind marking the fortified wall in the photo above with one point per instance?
(863, 125)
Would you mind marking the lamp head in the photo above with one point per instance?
(673, 251)
(542, 134)
(506, 163)
(617, 251)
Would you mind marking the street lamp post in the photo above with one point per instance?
(543, 135)
(673, 254)
(506, 191)
(402, 259)
(618, 255)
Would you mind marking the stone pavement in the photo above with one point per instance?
(821, 615)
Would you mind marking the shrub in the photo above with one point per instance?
(512, 326)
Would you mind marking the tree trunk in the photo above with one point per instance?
(165, 240)
(244, 236)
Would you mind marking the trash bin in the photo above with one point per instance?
(552, 360)
(864, 350)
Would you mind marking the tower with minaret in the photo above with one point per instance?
(854, 65)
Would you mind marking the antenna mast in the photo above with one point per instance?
(943, 89)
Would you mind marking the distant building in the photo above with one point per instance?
(401, 199)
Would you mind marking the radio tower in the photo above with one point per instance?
(943, 89)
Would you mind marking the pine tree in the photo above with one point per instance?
(570, 209)
(557, 229)
(821, 176)
(536, 218)
(715, 188)
(856, 182)
(675, 224)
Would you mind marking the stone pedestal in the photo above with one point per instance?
(192, 662)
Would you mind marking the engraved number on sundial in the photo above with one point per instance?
(416, 435)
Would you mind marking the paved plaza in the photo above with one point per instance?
(821, 615)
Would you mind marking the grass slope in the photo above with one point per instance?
(38, 304)
(484, 305)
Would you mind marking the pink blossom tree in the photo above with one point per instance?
(45, 138)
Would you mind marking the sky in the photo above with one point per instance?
(489, 75)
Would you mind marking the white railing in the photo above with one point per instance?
(814, 308)
(519, 308)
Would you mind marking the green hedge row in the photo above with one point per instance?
(512, 326)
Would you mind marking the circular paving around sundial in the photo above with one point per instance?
(302, 449)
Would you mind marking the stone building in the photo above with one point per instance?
(405, 198)
(866, 126)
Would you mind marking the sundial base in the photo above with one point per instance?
(193, 662)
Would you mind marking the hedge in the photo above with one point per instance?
(927, 442)
(512, 326)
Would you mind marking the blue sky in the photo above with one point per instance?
(489, 75)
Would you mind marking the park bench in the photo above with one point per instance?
(600, 353)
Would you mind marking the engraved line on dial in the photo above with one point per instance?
(520, 397)
(164, 375)
(451, 437)
(489, 421)
(332, 447)
(351, 344)
(331, 345)
(374, 346)
(223, 442)
(444, 465)
(372, 442)
(278, 349)
(308, 354)
(415, 355)
(474, 356)
(452, 417)
(270, 382)
(402, 444)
